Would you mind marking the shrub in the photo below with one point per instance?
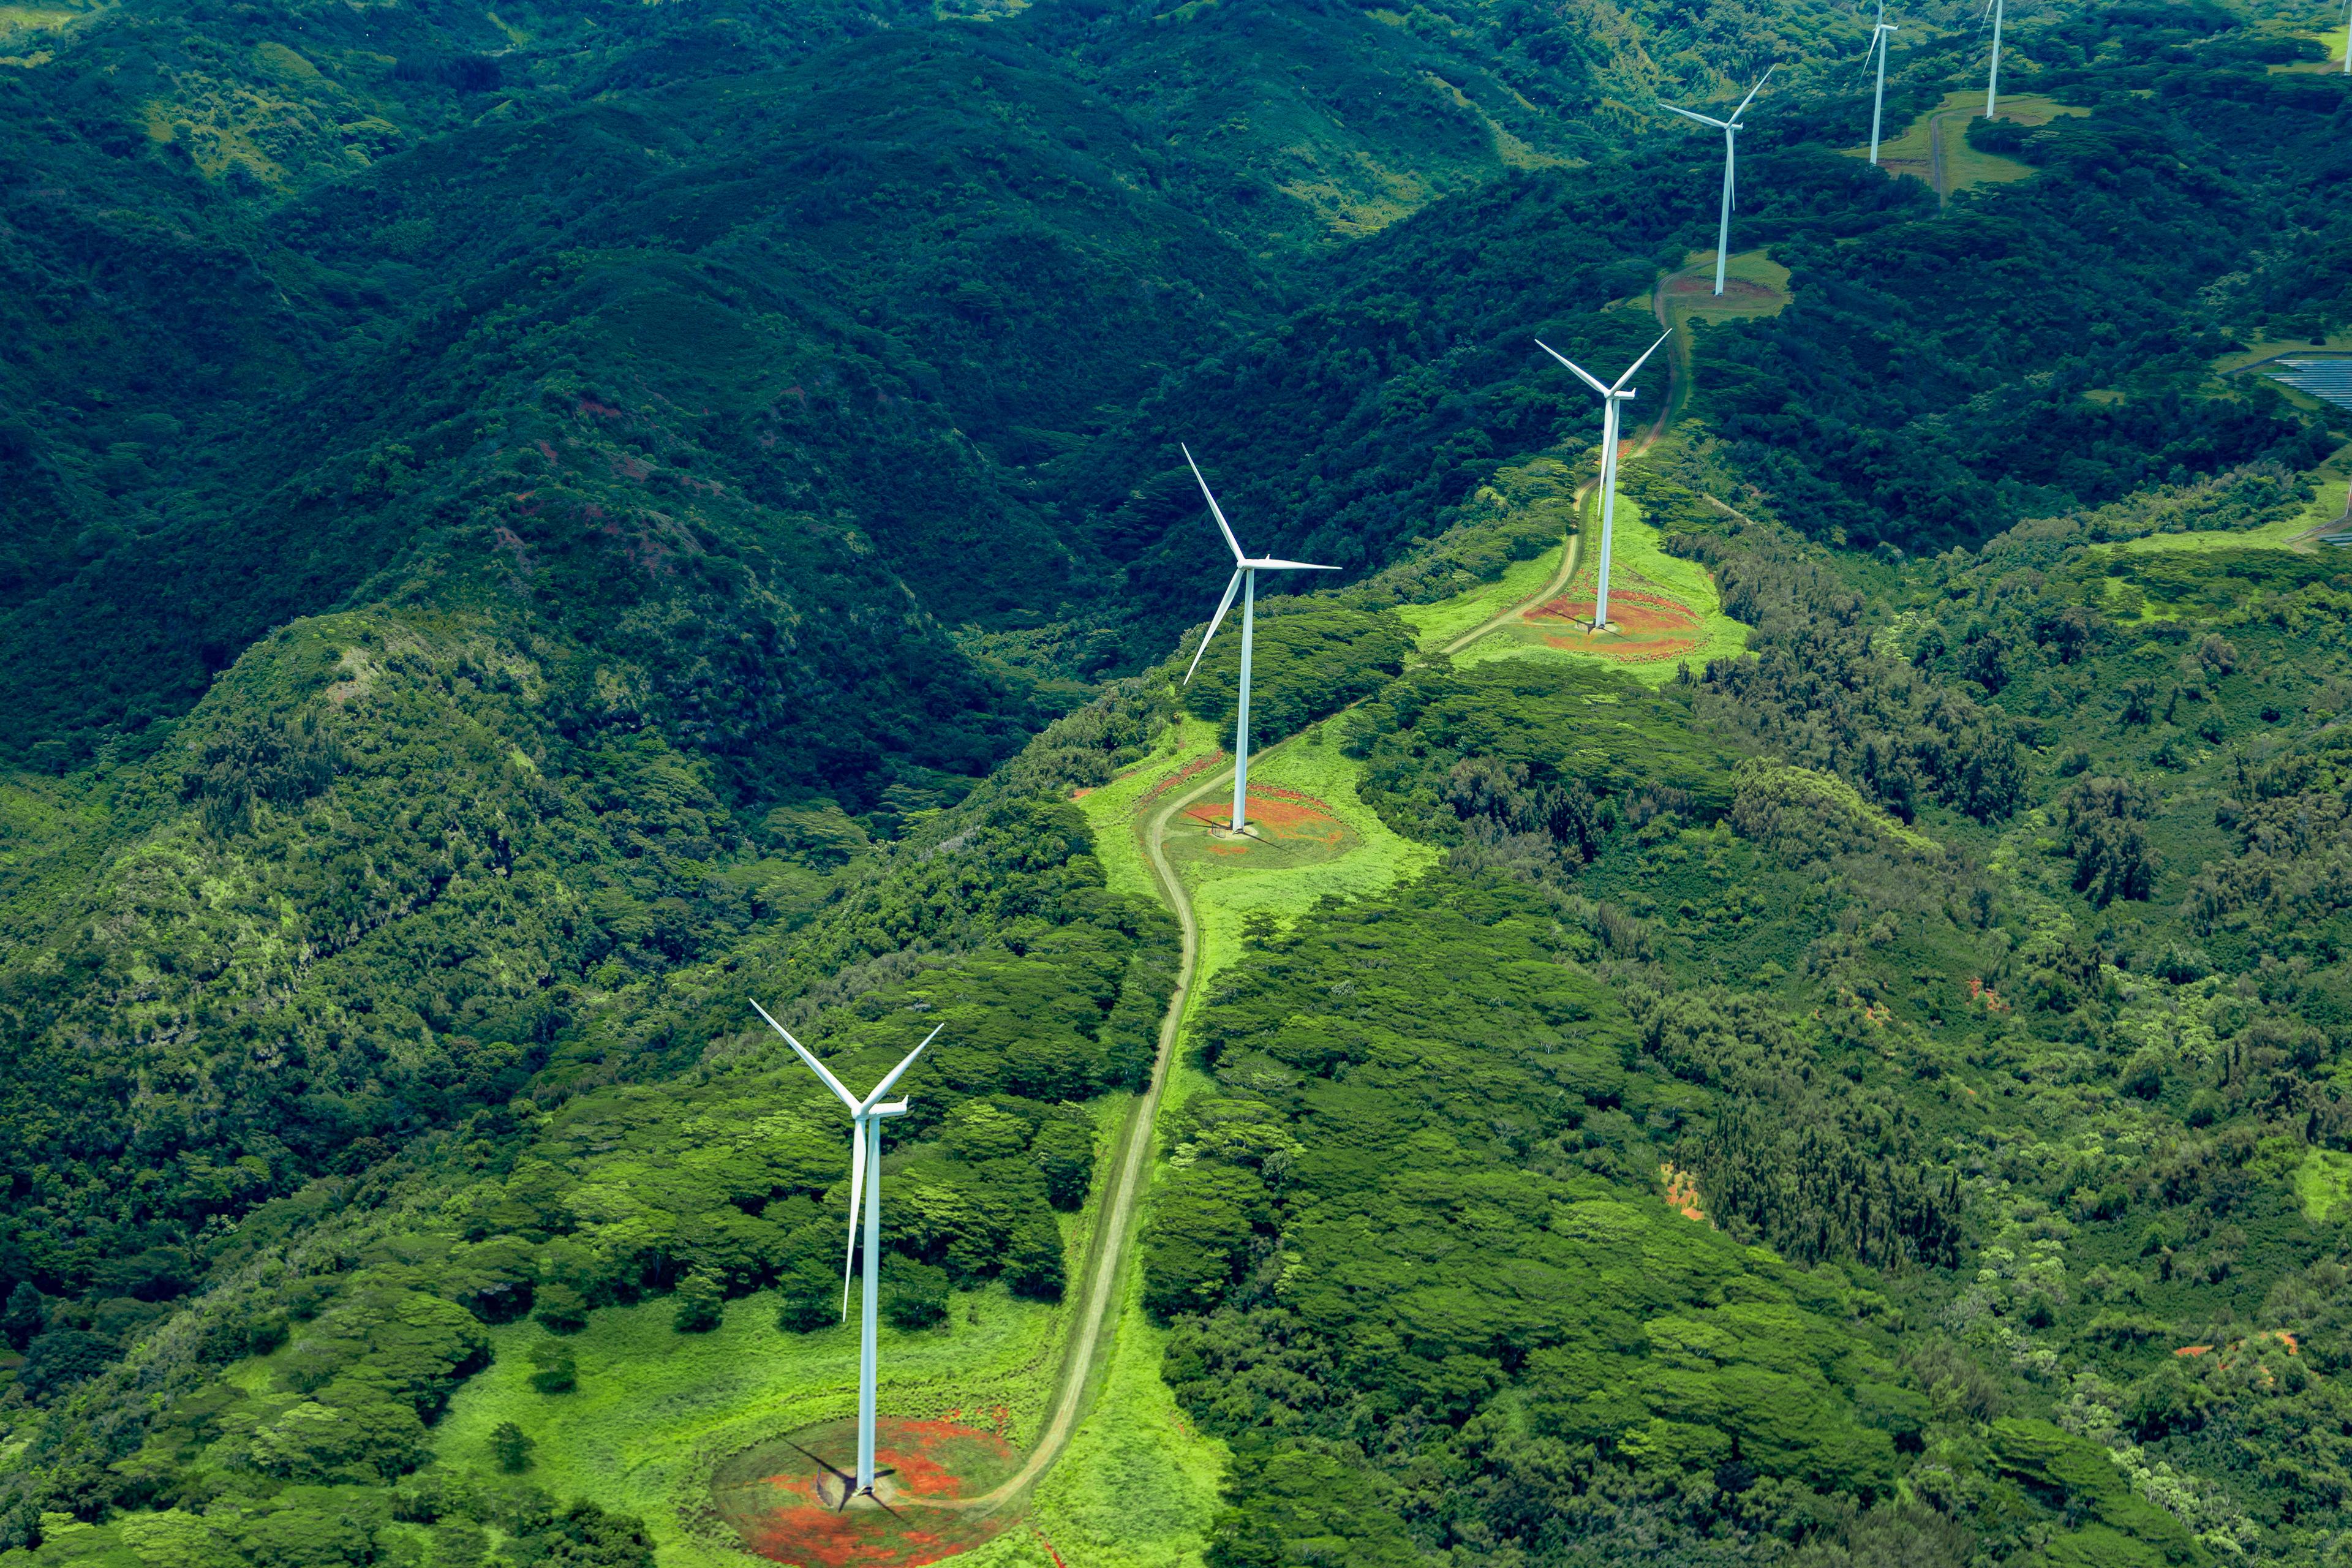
(913, 1295)
(701, 1304)
(511, 1447)
(554, 1370)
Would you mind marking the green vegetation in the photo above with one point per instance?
(529, 531)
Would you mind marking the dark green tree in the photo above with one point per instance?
(913, 1295)
(701, 1304)
(1064, 1150)
(511, 1447)
(563, 1309)
(22, 1317)
(808, 1298)
(1033, 1263)
(554, 1370)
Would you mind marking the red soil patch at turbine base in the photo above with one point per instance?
(1284, 816)
(1736, 291)
(1644, 627)
(783, 1506)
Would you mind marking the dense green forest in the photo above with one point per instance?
(524, 532)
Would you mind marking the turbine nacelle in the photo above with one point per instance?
(1611, 396)
(1243, 564)
(1730, 129)
(863, 1114)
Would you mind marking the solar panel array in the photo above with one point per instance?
(2327, 378)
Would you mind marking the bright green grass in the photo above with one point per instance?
(1436, 625)
(1138, 1487)
(1636, 545)
(1114, 811)
(1754, 285)
(2326, 507)
(2324, 1182)
(1312, 762)
(656, 1409)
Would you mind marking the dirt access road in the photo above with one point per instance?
(1115, 1224)
(1113, 1234)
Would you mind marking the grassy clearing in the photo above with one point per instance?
(1436, 625)
(2332, 39)
(1754, 285)
(2324, 1182)
(2262, 349)
(2326, 507)
(1115, 812)
(34, 18)
(1313, 763)
(1913, 152)
(1639, 564)
(656, 1409)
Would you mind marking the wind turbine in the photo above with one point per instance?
(1730, 129)
(1611, 396)
(1992, 83)
(1245, 571)
(2347, 37)
(1878, 36)
(865, 1119)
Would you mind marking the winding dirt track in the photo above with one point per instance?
(1114, 1230)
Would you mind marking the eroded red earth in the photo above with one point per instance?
(783, 1506)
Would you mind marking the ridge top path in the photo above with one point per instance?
(1113, 1232)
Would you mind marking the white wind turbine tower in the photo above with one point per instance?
(1730, 129)
(865, 1119)
(1992, 83)
(1611, 396)
(2347, 37)
(1878, 37)
(1244, 580)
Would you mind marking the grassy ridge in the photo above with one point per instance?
(1314, 764)
(1635, 548)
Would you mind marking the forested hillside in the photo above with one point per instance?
(523, 533)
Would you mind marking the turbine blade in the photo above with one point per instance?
(1582, 375)
(1645, 359)
(1687, 114)
(898, 1072)
(856, 1203)
(1754, 90)
(1270, 564)
(820, 1463)
(831, 1082)
(1215, 621)
(1214, 510)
